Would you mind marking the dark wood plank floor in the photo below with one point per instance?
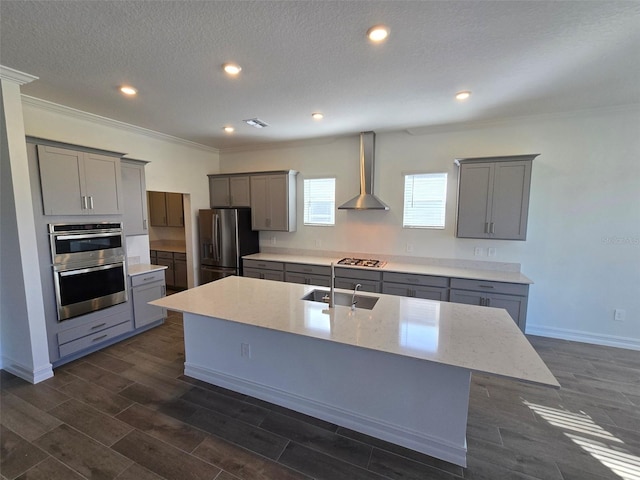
(129, 413)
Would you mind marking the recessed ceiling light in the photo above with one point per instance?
(317, 116)
(127, 90)
(229, 129)
(463, 95)
(378, 33)
(232, 68)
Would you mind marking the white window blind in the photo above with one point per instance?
(319, 201)
(425, 198)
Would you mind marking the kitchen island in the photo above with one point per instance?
(400, 372)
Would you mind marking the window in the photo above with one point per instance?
(425, 198)
(319, 201)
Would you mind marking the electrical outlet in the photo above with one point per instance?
(409, 247)
(245, 350)
(619, 315)
(477, 251)
(491, 251)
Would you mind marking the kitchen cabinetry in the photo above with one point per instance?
(493, 197)
(348, 278)
(418, 286)
(77, 182)
(92, 333)
(165, 209)
(273, 201)
(229, 191)
(512, 297)
(146, 288)
(134, 196)
(308, 274)
(263, 270)
(176, 271)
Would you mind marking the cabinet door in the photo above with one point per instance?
(474, 200)
(468, 298)
(60, 180)
(239, 192)
(278, 203)
(431, 293)
(295, 278)
(180, 273)
(259, 208)
(510, 205)
(219, 195)
(169, 273)
(516, 306)
(157, 209)
(397, 289)
(175, 213)
(143, 313)
(102, 182)
(134, 199)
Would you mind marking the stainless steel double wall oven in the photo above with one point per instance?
(88, 267)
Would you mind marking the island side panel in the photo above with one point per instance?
(414, 403)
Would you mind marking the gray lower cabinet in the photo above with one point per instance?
(348, 278)
(308, 274)
(166, 260)
(93, 333)
(512, 297)
(146, 288)
(419, 286)
(264, 270)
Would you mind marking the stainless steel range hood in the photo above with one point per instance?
(366, 200)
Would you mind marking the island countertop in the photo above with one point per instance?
(480, 339)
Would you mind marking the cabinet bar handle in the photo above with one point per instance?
(487, 302)
(486, 227)
(84, 202)
(100, 337)
(98, 326)
(492, 228)
(91, 202)
(144, 224)
(486, 286)
(482, 302)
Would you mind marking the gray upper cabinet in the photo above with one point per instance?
(79, 183)
(134, 197)
(273, 201)
(229, 191)
(493, 197)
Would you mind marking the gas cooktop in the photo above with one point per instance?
(362, 262)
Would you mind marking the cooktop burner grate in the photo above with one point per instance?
(361, 262)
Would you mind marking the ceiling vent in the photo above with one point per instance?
(256, 122)
(366, 200)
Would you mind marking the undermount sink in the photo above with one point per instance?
(341, 298)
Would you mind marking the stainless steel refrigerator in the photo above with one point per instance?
(225, 236)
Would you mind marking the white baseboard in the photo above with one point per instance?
(585, 337)
(35, 375)
(353, 420)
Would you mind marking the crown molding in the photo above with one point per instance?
(452, 127)
(109, 122)
(16, 76)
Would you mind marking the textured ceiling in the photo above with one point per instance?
(518, 58)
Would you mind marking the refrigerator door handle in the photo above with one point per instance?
(216, 237)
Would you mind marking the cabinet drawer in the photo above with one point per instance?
(415, 279)
(167, 255)
(90, 327)
(367, 285)
(430, 293)
(490, 287)
(94, 339)
(358, 274)
(149, 277)
(180, 256)
(306, 279)
(263, 265)
(308, 269)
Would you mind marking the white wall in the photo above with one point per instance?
(583, 245)
(176, 165)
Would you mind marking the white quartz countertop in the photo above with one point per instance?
(421, 269)
(142, 268)
(480, 339)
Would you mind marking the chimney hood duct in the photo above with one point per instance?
(366, 200)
